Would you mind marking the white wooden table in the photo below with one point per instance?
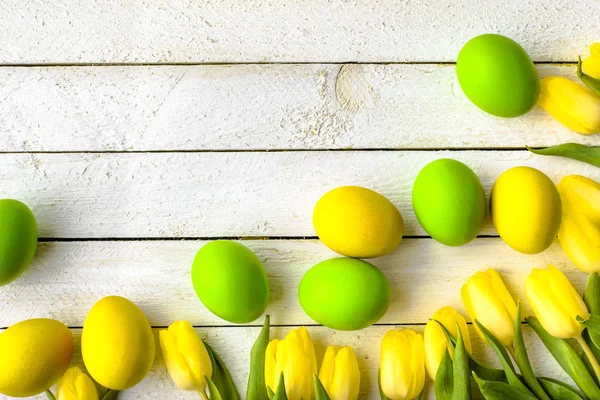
(137, 130)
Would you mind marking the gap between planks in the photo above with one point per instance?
(200, 64)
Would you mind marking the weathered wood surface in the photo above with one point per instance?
(257, 107)
(235, 194)
(183, 31)
(67, 278)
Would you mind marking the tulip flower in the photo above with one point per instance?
(339, 373)
(186, 357)
(557, 306)
(591, 65)
(75, 385)
(572, 104)
(487, 300)
(579, 233)
(294, 358)
(555, 302)
(402, 368)
(435, 339)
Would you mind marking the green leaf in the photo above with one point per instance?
(593, 326)
(559, 390)
(49, 395)
(257, 387)
(589, 81)
(320, 392)
(507, 365)
(270, 393)
(111, 395)
(566, 356)
(523, 360)
(280, 392)
(488, 374)
(494, 390)
(383, 396)
(591, 296)
(221, 377)
(460, 370)
(444, 381)
(595, 351)
(574, 151)
(213, 392)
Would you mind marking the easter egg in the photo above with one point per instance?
(117, 343)
(526, 209)
(498, 76)
(34, 354)
(449, 202)
(18, 239)
(230, 281)
(357, 222)
(345, 294)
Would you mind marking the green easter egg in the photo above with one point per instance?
(449, 202)
(230, 281)
(498, 76)
(18, 239)
(345, 294)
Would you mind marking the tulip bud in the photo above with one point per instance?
(435, 339)
(295, 357)
(75, 385)
(402, 369)
(555, 302)
(591, 65)
(339, 373)
(579, 233)
(186, 356)
(487, 300)
(572, 104)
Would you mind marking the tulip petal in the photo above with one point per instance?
(345, 384)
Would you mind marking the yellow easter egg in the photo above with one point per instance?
(117, 343)
(358, 222)
(526, 209)
(34, 354)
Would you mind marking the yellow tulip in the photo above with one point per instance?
(402, 369)
(186, 356)
(579, 234)
(75, 385)
(555, 302)
(435, 339)
(591, 65)
(572, 104)
(339, 373)
(487, 300)
(295, 357)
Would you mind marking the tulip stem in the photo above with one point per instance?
(590, 355)
(49, 395)
(511, 350)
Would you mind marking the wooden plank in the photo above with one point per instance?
(249, 107)
(66, 279)
(178, 31)
(233, 345)
(225, 194)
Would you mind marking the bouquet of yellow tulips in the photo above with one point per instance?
(287, 369)
(444, 350)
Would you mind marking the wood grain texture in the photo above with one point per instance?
(66, 279)
(249, 107)
(233, 345)
(226, 194)
(182, 31)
